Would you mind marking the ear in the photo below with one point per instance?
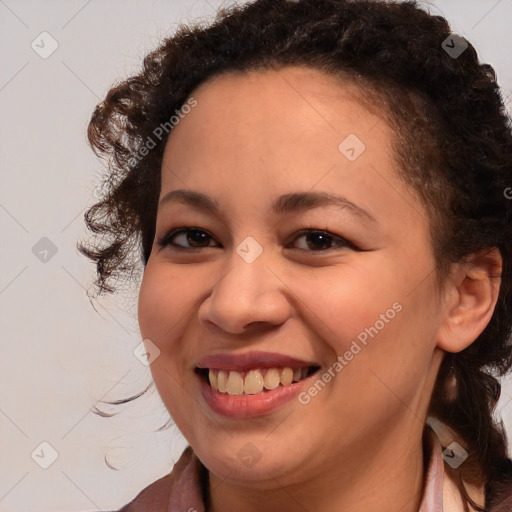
(470, 295)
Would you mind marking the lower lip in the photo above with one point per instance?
(250, 406)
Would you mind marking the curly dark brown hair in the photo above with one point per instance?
(453, 141)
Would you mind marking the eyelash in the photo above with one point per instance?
(340, 242)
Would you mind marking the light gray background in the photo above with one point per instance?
(59, 357)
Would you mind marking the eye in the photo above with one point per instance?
(319, 240)
(316, 240)
(195, 237)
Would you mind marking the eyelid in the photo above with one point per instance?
(164, 241)
(338, 240)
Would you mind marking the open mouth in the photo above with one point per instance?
(255, 380)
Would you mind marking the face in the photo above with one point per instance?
(288, 253)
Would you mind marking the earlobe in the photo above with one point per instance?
(471, 293)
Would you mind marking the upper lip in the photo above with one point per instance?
(248, 360)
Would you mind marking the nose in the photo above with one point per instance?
(246, 296)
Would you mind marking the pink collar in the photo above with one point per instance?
(185, 489)
(433, 494)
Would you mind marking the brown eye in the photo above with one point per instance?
(187, 238)
(318, 240)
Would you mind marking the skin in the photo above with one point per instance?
(357, 445)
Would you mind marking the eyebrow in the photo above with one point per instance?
(287, 203)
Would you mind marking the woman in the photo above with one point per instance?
(319, 192)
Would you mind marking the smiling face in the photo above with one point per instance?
(304, 249)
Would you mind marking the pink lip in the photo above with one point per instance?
(251, 406)
(248, 360)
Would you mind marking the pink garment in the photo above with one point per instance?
(185, 488)
(433, 494)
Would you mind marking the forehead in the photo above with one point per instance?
(255, 136)
(290, 92)
(293, 117)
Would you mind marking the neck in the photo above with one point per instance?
(384, 476)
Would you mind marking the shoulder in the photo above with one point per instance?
(154, 497)
(501, 500)
(182, 482)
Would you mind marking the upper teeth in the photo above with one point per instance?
(234, 383)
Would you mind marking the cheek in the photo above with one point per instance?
(164, 298)
(387, 356)
(167, 306)
(348, 301)
(151, 301)
(161, 306)
(376, 315)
